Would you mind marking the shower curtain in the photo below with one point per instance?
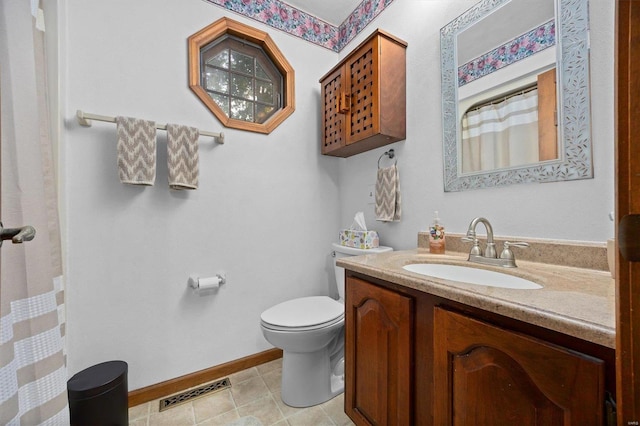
(32, 362)
(501, 135)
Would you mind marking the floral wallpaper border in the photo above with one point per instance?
(513, 51)
(291, 20)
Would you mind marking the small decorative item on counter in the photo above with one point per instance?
(357, 235)
(436, 236)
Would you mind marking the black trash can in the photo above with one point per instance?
(98, 395)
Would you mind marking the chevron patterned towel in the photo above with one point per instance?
(182, 156)
(136, 150)
(388, 195)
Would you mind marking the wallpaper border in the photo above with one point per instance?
(284, 17)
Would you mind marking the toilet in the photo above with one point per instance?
(310, 332)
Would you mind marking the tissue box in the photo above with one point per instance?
(359, 239)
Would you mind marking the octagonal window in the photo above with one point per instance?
(241, 76)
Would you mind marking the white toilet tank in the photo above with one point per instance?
(344, 251)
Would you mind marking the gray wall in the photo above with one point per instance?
(265, 213)
(268, 207)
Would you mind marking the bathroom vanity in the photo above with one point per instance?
(431, 351)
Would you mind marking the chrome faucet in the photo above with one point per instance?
(490, 256)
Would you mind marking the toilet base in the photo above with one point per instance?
(308, 379)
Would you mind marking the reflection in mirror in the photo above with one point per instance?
(515, 128)
(507, 82)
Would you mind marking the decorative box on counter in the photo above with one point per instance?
(359, 239)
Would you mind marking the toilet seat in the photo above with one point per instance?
(302, 314)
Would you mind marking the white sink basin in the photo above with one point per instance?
(465, 274)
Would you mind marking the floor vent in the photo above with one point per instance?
(194, 393)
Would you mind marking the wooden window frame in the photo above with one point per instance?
(226, 26)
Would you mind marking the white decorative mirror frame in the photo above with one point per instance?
(575, 162)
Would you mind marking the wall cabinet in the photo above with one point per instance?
(364, 98)
(413, 358)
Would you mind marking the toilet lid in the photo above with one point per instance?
(303, 312)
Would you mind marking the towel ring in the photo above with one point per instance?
(391, 154)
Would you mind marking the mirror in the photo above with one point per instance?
(534, 53)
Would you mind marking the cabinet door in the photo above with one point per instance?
(334, 100)
(378, 354)
(363, 88)
(485, 375)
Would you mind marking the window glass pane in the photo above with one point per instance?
(222, 101)
(264, 92)
(242, 87)
(217, 80)
(241, 110)
(260, 73)
(263, 112)
(241, 62)
(221, 60)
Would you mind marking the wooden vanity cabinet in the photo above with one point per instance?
(491, 376)
(380, 369)
(364, 97)
(417, 359)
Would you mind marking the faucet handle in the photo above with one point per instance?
(506, 251)
(475, 250)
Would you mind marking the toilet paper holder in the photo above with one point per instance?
(196, 282)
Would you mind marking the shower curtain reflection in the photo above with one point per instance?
(501, 135)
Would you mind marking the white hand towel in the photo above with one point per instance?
(182, 156)
(388, 195)
(136, 150)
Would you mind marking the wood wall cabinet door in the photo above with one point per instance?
(485, 375)
(378, 354)
(364, 97)
(334, 121)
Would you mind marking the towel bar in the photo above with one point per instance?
(84, 119)
(391, 153)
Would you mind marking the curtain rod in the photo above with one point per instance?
(503, 96)
(84, 119)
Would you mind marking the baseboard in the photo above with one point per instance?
(179, 384)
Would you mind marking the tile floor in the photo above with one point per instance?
(253, 392)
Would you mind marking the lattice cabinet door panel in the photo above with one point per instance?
(365, 95)
(333, 122)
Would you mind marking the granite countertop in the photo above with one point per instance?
(574, 301)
